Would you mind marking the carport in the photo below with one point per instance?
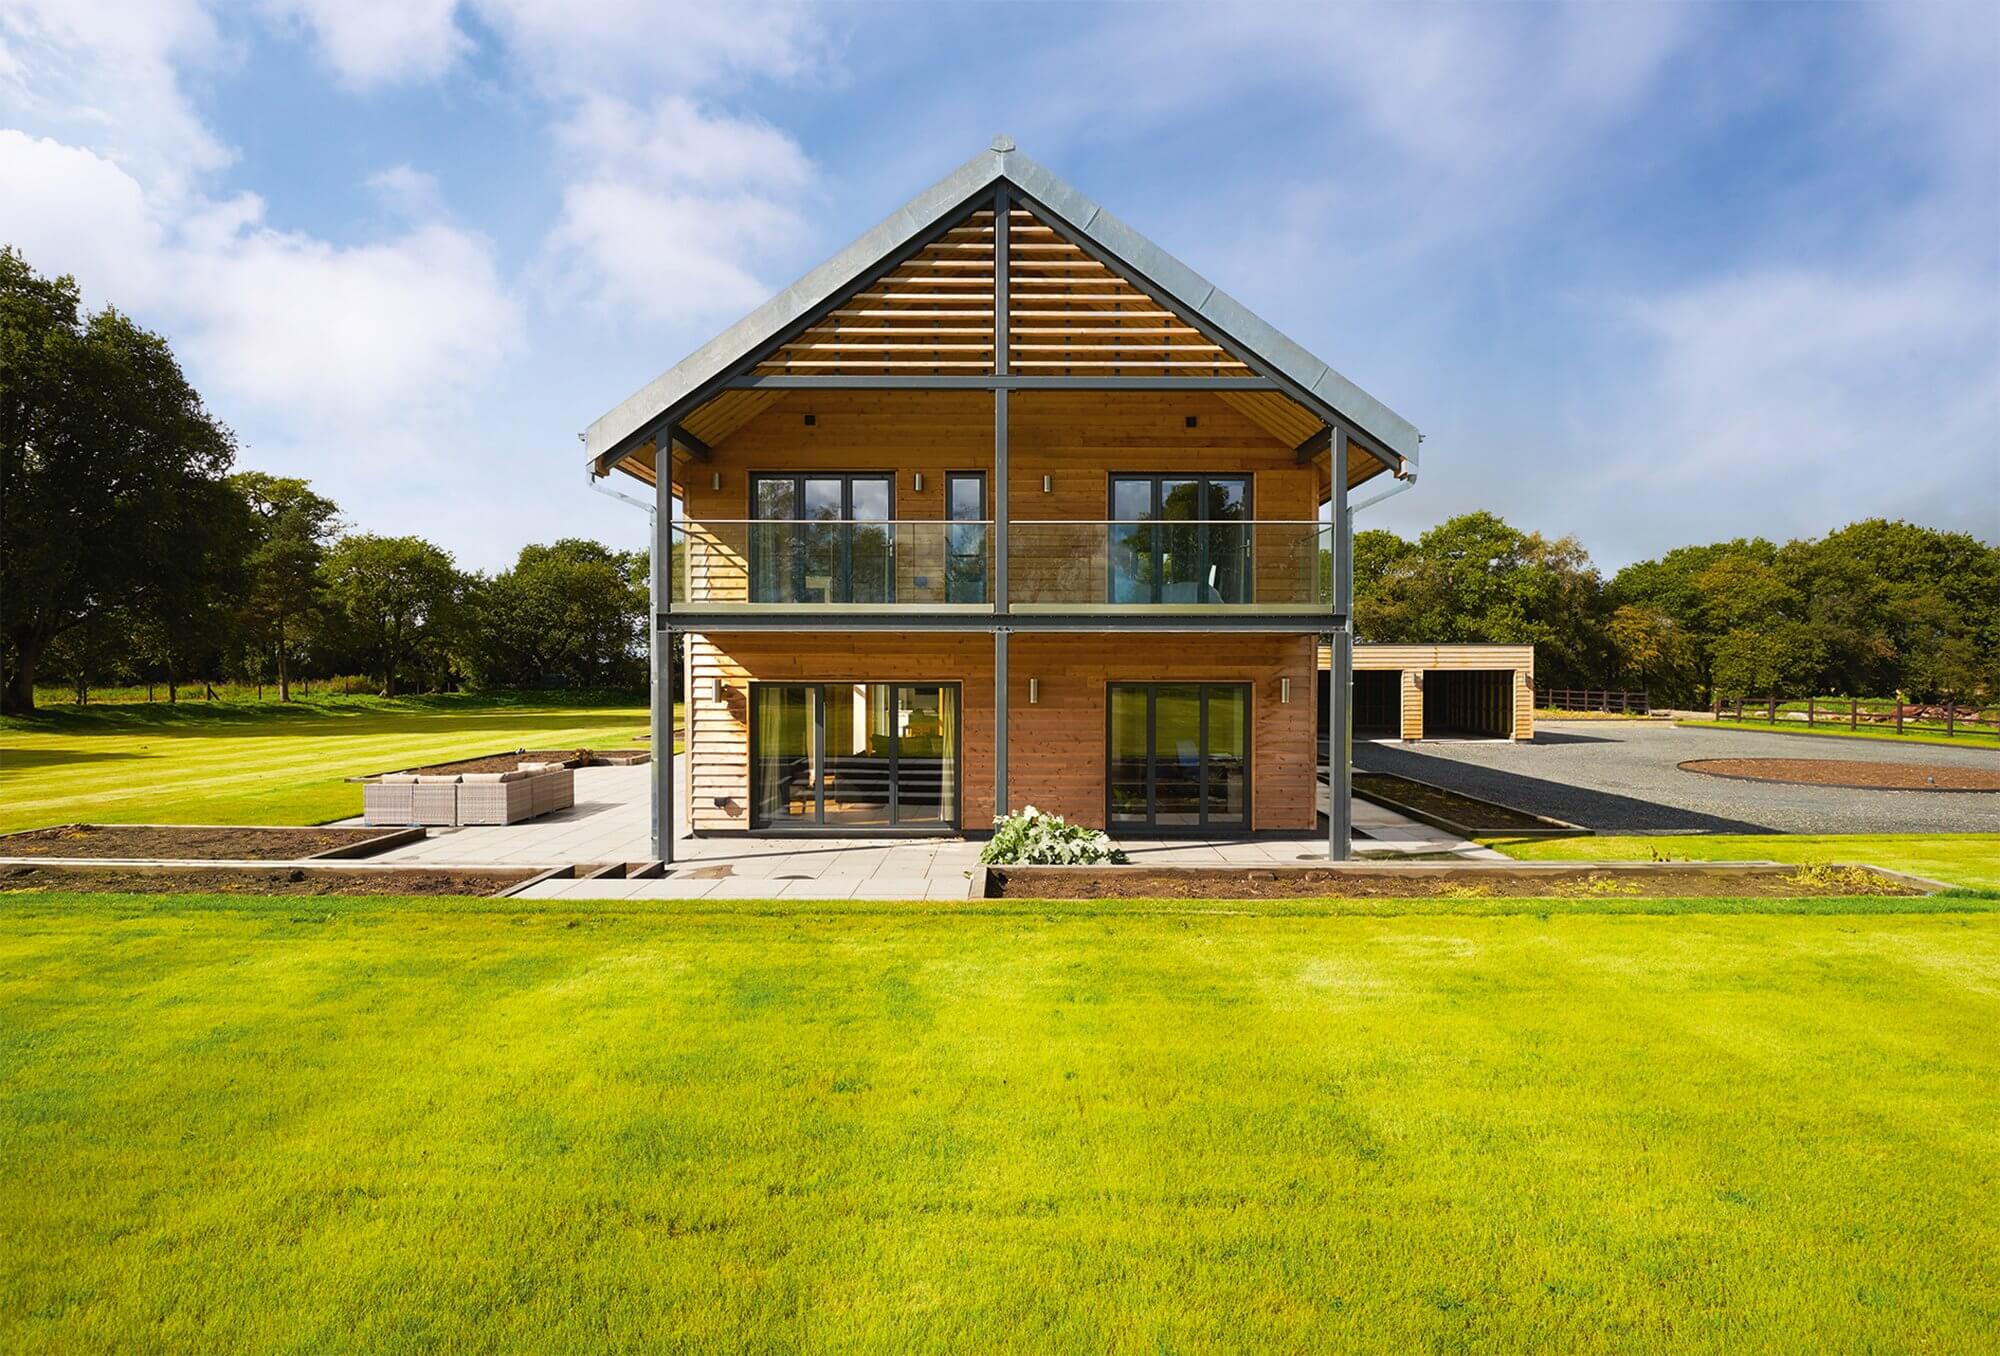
(1468, 704)
(1439, 691)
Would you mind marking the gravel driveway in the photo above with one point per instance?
(1623, 776)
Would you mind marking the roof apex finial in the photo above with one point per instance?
(1003, 143)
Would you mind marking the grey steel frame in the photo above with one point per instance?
(1340, 700)
(1001, 621)
(661, 784)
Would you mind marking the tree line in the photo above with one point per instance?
(132, 551)
(1873, 609)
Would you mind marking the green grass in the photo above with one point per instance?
(399, 1125)
(250, 763)
(1970, 860)
(1918, 734)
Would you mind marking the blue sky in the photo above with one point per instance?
(1649, 274)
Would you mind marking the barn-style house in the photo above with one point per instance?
(1002, 505)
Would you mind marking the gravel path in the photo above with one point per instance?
(1623, 777)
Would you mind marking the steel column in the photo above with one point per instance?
(1340, 682)
(1002, 247)
(999, 723)
(660, 786)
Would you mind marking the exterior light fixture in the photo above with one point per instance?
(715, 480)
(717, 690)
(1048, 484)
(917, 481)
(1284, 689)
(1034, 691)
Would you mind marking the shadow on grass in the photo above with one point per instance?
(444, 713)
(32, 760)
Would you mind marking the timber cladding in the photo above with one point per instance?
(1075, 439)
(1056, 746)
(1415, 661)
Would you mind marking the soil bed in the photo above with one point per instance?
(1848, 773)
(245, 880)
(504, 762)
(1452, 811)
(1663, 881)
(123, 842)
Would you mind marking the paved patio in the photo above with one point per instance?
(608, 823)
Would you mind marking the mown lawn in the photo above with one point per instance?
(401, 1125)
(265, 763)
(1969, 860)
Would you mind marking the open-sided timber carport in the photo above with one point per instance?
(1002, 505)
(1439, 691)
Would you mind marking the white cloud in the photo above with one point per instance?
(408, 191)
(105, 74)
(625, 45)
(338, 335)
(378, 42)
(662, 255)
(1791, 400)
(672, 202)
(362, 334)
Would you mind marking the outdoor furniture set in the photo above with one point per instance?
(528, 792)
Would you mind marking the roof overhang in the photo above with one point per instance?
(1390, 438)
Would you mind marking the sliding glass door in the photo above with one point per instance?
(860, 756)
(1179, 756)
(822, 539)
(1180, 539)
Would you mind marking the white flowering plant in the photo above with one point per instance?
(1032, 838)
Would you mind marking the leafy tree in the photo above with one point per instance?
(107, 459)
(397, 592)
(571, 613)
(1652, 649)
(1774, 660)
(1474, 579)
(1673, 587)
(1899, 606)
(292, 528)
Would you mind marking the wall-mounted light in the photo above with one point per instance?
(718, 690)
(715, 480)
(1284, 689)
(1048, 484)
(917, 481)
(1034, 690)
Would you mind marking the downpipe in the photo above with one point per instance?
(1405, 479)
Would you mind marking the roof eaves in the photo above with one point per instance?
(923, 213)
(754, 330)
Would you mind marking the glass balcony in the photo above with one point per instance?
(1104, 566)
(843, 565)
(1170, 565)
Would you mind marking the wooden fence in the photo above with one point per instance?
(1947, 718)
(1591, 699)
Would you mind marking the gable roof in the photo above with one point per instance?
(934, 208)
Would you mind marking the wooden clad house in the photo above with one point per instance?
(1002, 505)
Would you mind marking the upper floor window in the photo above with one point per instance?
(1180, 539)
(965, 537)
(822, 538)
